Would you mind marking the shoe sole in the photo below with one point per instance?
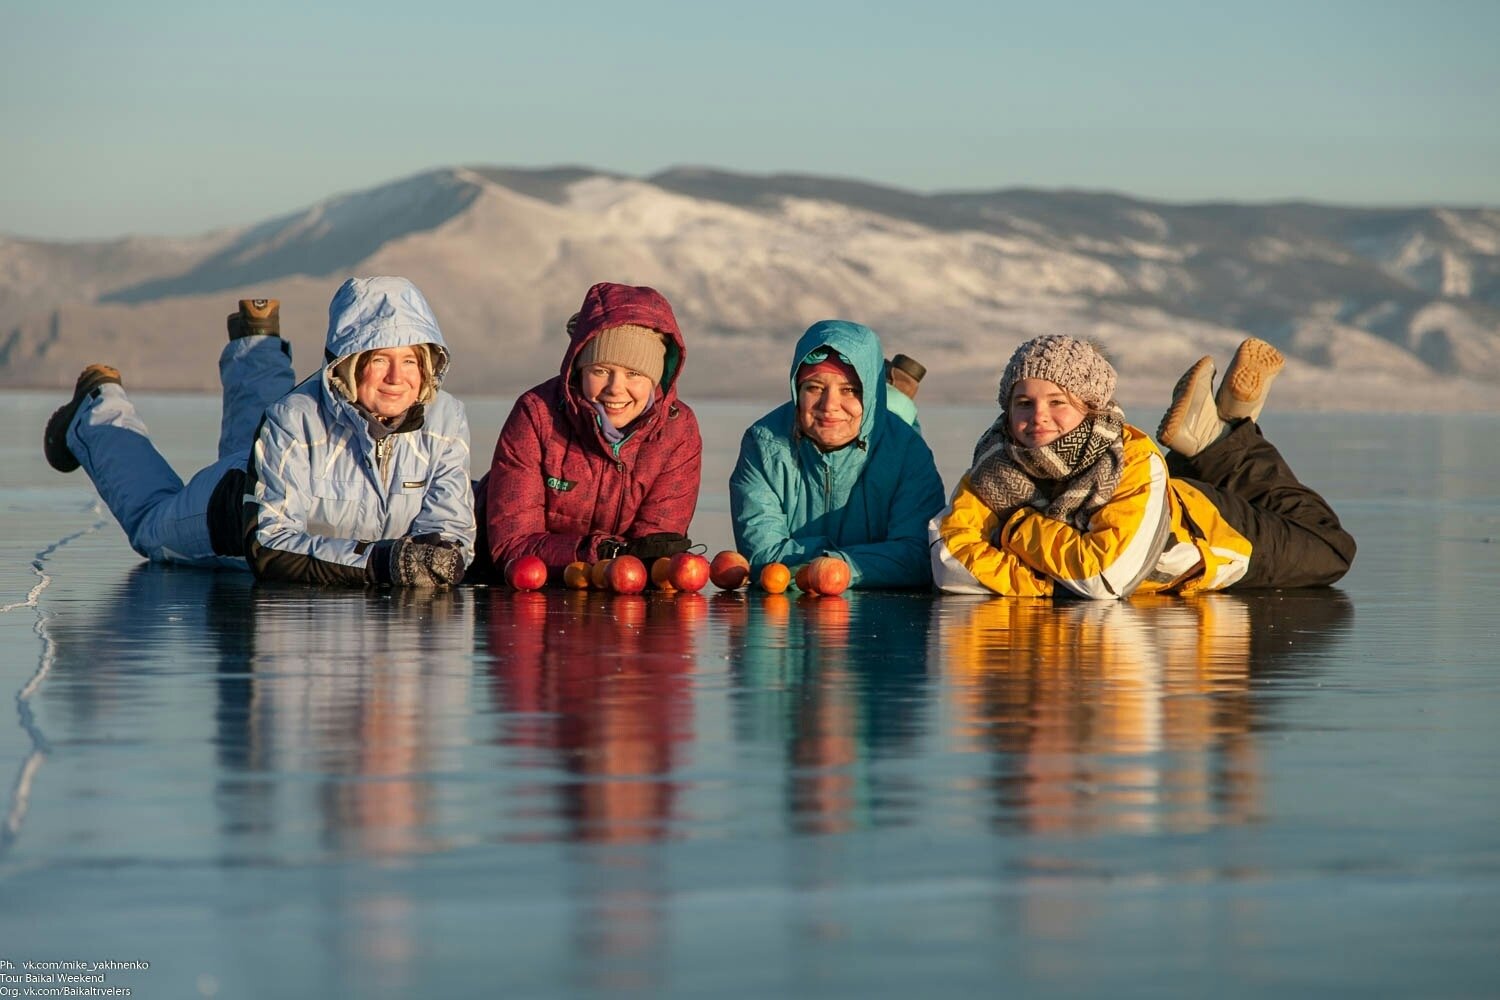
(1248, 379)
(55, 434)
(1187, 395)
(256, 317)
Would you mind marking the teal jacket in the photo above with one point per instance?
(867, 503)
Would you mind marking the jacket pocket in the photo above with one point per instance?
(335, 506)
(404, 505)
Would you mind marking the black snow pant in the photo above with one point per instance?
(1295, 537)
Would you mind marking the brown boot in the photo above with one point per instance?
(257, 317)
(55, 436)
(1192, 421)
(1248, 380)
(906, 374)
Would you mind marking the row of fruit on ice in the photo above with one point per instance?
(688, 572)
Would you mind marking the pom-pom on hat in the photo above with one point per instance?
(1073, 364)
(638, 348)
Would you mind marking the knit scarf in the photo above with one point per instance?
(1067, 480)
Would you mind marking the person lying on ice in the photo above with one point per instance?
(603, 459)
(359, 475)
(835, 471)
(1064, 496)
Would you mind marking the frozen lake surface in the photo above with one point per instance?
(270, 792)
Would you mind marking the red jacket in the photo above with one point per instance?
(556, 486)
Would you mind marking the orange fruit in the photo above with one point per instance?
(774, 578)
(597, 573)
(576, 576)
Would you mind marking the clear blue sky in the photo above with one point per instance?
(157, 117)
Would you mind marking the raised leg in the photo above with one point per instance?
(163, 518)
(1296, 538)
(255, 371)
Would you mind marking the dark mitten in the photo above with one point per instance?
(444, 559)
(406, 562)
(663, 543)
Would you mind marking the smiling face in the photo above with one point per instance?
(389, 381)
(622, 392)
(829, 409)
(1041, 412)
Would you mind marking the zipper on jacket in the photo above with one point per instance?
(383, 460)
(624, 487)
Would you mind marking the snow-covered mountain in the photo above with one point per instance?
(1376, 307)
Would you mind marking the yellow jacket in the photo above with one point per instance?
(1156, 534)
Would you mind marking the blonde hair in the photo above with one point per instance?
(353, 369)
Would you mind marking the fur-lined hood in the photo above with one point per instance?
(369, 314)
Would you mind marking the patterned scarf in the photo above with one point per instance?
(1066, 480)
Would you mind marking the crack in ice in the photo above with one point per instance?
(20, 796)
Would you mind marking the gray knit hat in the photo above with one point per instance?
(1073, 364)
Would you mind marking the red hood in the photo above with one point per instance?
(608, 304)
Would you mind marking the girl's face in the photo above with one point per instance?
(1041, 412)
(623, 393)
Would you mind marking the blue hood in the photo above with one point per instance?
(368, 314)
(861, 346)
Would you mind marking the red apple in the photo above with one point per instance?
(627, 575)
(688, 572)
(729, 570)
(827, 575)
(526, 573)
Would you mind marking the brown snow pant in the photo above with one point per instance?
(1295, 537)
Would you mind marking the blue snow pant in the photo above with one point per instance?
(165, 520)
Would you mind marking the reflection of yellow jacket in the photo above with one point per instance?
(1155, 534)
(1118, 716)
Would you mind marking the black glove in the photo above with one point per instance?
(425, 561)
(649, 547)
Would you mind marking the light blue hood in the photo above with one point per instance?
(368, 314)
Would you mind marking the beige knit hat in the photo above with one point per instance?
(639, 348)
(1073, 364)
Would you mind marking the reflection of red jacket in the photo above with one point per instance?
(619, 720)
(556, 486)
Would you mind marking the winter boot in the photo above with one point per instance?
(1248, 380)
(257, 317)
(1192, 421)
(905, 373)
(55, 437)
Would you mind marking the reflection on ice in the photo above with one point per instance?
(598, 688)
(282, 791)
(1131, 716)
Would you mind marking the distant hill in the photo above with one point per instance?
(1378, 308)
